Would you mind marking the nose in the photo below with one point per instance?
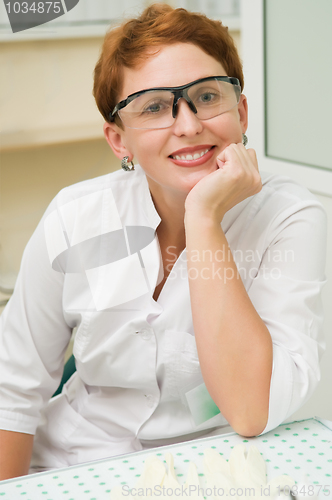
(186, 121)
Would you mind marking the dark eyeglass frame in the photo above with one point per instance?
(178, 92)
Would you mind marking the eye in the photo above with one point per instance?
(155, 107)
(208, 97)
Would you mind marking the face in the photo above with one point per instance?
(169, 156)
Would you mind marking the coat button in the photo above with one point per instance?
(145, 334)
(149, 400)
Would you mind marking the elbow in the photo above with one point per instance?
(248, 427)
(249, 430)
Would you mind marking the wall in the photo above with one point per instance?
(51, 133)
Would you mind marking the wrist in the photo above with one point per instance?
(206, 217)
(203, 220)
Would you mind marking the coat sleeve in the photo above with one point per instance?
(33, 338)
(287, 295)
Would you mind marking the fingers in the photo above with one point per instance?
(242, 164)
(238, 155)
(240, 151)
(250, 163)
(252, 153)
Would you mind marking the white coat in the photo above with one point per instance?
(93, 263)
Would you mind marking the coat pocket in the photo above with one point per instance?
(182, 368)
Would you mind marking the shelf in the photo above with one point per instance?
(93, 30)
(23, 139)
(54, 32)
(7, 283)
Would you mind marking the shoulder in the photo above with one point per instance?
(282, 196)
(282, 203)
(114, 181)
(285, 207)
(284, 188)
(82, 213)
(110, 192)
(95, 206)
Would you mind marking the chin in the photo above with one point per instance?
(196, 176)
(186, 185)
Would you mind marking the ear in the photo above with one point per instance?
(243, 112)
(115, 138)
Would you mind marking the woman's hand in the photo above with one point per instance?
(236, 179)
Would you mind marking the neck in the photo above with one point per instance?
(170, 207)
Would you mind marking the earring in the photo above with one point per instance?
(125, 164)
(244, 139)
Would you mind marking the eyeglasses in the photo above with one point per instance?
(157, 107)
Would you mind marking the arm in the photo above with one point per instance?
(233, 343)
(33, 338)
(15, 454)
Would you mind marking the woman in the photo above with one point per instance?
(175, 339)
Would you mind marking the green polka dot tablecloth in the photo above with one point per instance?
(295, 449)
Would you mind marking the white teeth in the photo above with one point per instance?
(191, 157)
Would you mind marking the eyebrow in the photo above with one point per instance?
(230, 79)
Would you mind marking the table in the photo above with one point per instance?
(296, 448)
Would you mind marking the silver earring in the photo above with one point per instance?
(244, 139)
(125, 164)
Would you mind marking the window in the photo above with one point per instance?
(288, 69)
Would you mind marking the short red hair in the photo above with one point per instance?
(129, 45)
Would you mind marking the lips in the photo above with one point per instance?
(192, 156)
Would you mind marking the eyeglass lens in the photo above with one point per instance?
(153, 109)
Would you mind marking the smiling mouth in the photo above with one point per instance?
(189, 157)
